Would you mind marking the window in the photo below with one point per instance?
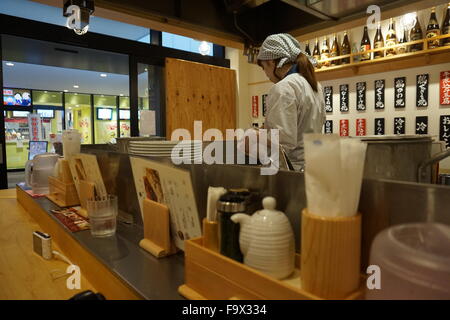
(175, 41)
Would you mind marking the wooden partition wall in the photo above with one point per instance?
(199, 92)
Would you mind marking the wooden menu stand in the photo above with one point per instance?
(86, 192)
(62, 190)
(157, 239)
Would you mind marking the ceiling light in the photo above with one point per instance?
(70, 108)
(103, 75)
(78, 105)
(76, 94)
(66, 90)
(45, 91)
(76, 86)
(10, 64)
(121, 94)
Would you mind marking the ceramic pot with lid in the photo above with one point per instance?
(267, 240)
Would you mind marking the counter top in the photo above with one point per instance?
(147, 276)
(24, 274)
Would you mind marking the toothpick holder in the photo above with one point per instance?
(86, 192)
(157, 240)
(211, 235)
(330, 255)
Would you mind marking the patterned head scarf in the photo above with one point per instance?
(284, 46)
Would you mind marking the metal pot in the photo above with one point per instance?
(404, 158)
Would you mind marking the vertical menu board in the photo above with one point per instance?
(328, 127)
(344, 97)
(422, 90)
(255, 107)
(400, 92)
(379, 94)
(343, 128)
(360, 127)
(328, 96)
(444, 88)
(399, 125)
(379, 127)
(444, 130)
(361, 96)
(264, 104)
(422, 125)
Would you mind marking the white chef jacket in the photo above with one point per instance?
(295, 108)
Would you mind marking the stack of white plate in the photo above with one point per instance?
(182, 150)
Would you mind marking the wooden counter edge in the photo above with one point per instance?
(100, 276)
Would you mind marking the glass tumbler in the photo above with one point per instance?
(102, 214)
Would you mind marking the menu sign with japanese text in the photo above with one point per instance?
(328, 127)
(343, 128)
(34, 123)
(400, 92)
(379, 126)
(344, 97)
(255, 106)
(379, 94)
(264, 104)
(399, 125)
(360, 127)
(422, 90)
(361, 96)
(444, 130)
(445, 88)
(422, 125)
(328, 96)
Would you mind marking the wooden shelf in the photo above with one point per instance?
(397, 62)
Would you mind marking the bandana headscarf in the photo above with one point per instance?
(284, 46)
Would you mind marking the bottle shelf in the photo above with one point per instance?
(424, 57)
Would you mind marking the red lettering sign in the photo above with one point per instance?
(343, 128)
(255, 108)
(445, 87)
(360, 127)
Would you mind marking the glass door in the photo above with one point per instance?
(124, 117)
(78, 115)
(105, 119)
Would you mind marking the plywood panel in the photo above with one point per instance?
(196, 91)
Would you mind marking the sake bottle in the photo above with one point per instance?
(446, 27)
(345, 48)
(433, 30)
(404, 39)
(335, 51)
(365, 45)
(416, 34)
(391, 39)
(378, 42)
(316, 52)
(307, 51)
(325, 53)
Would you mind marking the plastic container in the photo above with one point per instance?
(414, 261)
(102, 215)
(71, 140)
(38, 170)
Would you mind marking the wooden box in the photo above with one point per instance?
(61, 193)
(210, 275)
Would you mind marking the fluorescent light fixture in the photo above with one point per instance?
(65, 90)
(103, 75)
(76, 86)
(121, 94)
(9, 64)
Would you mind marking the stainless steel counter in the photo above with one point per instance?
(150, 277)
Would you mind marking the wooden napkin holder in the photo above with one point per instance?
(331, 253)
(157, 240)
(62, 190)
(211, 235)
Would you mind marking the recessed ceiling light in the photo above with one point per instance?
(76, 86)
(70, 108)
(10, 64)
(46, 91)
(78, 105)
(121, 94)
(103, 75)
(66, 90)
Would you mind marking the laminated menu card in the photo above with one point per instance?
(172, 187)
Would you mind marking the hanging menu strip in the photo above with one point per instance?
(343, 128)
(264, 102)
(379, 94)
(445, 88)
(379, 127)
(328, 127)
(422, 125)
(361, 96)
(360, 127)
(328, 96)
(422, 90)
(400, 92)
(444, 130)
(344, 97)
(399, 125)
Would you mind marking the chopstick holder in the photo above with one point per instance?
(330, 255)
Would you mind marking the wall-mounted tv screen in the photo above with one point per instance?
(17, 97)
(20, 114)
(104, 113)
(46, 114)
(124, 114)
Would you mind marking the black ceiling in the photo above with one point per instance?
(248, 20)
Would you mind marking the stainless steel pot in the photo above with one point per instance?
(404, 158)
